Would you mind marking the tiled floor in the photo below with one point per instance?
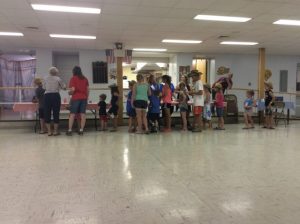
(236, 176)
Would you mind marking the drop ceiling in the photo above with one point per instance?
(144, 23)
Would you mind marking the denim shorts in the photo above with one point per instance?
(78, 106)
(220, 112)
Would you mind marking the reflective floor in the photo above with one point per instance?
(216, 177)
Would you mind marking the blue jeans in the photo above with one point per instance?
(220, 112)
(78, 106)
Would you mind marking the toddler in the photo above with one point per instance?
(248, 109)
(102, 112)
(114, 107)
(207, 106)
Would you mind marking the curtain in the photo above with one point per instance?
(17, 73)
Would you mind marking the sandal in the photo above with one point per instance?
(56, 134)
(50, 134)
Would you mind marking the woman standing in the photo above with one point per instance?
(52, 100)
(79, 89)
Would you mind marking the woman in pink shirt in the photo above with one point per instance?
(167, 102)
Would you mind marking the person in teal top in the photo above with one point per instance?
(140, 94)
(142, 91)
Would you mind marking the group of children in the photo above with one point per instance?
(146, 99)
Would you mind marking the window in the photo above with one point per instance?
(298, 78)
(100, 74)
(283, 84)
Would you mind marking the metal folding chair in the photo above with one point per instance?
(279, 113)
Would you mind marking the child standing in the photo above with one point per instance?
(39, 98)
(167, 102)
(154, 105)
(140, 103)
(219, 102)
(248, 106)
(102, 112)
(183, 105)
(131, 113)
(207, 106)
(198, 98)
(269, 101)
(114, 107)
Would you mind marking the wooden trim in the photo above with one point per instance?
(261, 72)
(120, 87)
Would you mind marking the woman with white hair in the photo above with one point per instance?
(52, 100)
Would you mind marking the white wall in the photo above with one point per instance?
(43, 62)
(182, 60)
(65, 65)
(86, 57)
(173, 69)
(245, 70)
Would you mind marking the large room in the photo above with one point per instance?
(149, 111)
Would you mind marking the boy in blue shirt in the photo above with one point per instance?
(249, 103)
(131, 113)
(154, 105)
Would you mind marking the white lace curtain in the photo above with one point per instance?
(17, 73)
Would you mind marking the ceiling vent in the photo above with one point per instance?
(223, 36)
(32, 28)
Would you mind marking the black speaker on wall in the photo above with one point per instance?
(100, 72)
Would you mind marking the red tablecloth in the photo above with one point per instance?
(33, 107)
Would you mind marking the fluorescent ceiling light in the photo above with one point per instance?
(222, 18)
(140, 65)
(239, 43)
(287, 22)
(15, 34)
(161, 65)
(61, 8)
(72, 36)
(150, 49)
(181, 41)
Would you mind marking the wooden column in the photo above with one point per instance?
(120, 87)
(261, 72)
(261, 77)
